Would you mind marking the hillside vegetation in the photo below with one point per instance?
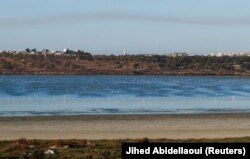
(123, 65)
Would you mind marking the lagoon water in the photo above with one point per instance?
(75, 95)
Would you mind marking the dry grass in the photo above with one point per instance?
(85, 149)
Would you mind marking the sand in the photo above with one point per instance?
(126, 126)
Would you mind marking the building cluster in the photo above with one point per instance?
(170, 55)
(220, 54)
(69, 52)
(43, 52)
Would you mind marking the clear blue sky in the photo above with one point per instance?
(140, 26)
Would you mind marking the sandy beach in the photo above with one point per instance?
(126, 126)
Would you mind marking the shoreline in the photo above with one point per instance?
(221, 114)
(98, 127)
(131, 74)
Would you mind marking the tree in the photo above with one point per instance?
(27, 50)
(33, 50)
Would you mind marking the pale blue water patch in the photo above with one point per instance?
(75, 95)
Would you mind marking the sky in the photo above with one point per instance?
(140, 26)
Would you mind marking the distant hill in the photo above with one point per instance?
(85, 63)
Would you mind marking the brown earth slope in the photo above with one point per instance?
(122, 65)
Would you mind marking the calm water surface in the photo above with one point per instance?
(74, 95)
